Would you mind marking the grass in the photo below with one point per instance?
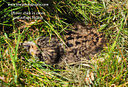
(18, 68)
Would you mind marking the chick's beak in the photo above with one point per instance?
(27, 47)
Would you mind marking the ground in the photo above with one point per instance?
(108, 67)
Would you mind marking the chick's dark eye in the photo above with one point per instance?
(32, 46)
